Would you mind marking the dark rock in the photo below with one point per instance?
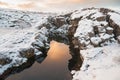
(102, 18)
(105, 10)
(96, 30)
(118, 38)
(116, 28)
(91, 34)
(59, 21)
(118, 31)
(75, 42)
(4, 61)
(74, 25)
(75, 21)
(27, 53)
(72, 30)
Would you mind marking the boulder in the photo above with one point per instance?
(59, 21)
(91, 34)
(101, 18)
(95, 41)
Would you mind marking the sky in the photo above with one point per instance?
(56, 5)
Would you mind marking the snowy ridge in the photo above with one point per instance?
(20, 19)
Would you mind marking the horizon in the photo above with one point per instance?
(56, 6)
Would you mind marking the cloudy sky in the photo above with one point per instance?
(56, 5)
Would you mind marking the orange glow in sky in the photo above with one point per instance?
(76, 1)
(26, 5)
(56, 5)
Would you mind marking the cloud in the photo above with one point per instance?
(56, 5)
(3, 3)
(26, 5)
(77, 1)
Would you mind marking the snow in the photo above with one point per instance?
(96, 15)
(100, 64)
(109, 28)
(20, 19)
(101, 52)
(105, 36)
(115, 17)
(84, 27)
(85, 31)
(17, 32)
(83, 13)
(96, 40)
(16, 41)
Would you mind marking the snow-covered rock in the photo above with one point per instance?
(97, 34)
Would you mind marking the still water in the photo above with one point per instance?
(54, 66)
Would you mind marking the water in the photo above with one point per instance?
(54, 67)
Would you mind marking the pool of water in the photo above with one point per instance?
(53, 67)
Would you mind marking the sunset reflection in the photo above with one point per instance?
(58, 50)
(54, 67)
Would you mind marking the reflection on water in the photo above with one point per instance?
(54, 67)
